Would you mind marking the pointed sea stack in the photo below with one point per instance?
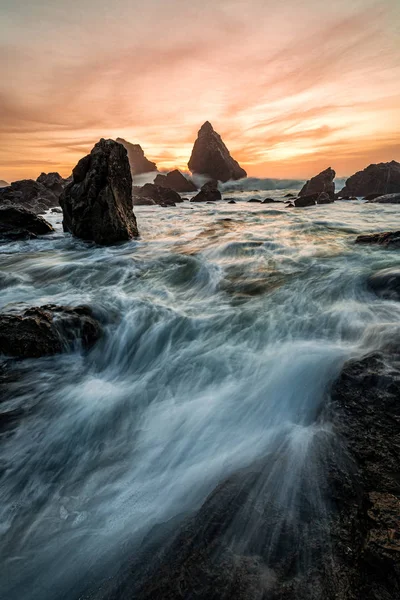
(322, 183)
(53, 182)
(380, 179)
(175, 181)
(97, 205)
(137, 160)
(210, 157)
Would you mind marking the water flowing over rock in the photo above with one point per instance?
(175, 181)
(210, 157)
(313, 199)
(53, 182)
(28, 194)
(18, 223)
(97, 205)
(137, 160)
(390, 239)
(382, 178)
(324, 182)
(47, 330)
(156, 194)
(386, 283)
(208, 193)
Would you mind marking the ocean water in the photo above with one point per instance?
(224, 327)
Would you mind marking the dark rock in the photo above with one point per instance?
(28, 194)
(324, 198)
(324, 182)
(290, 205)
(269, 201)
(18, 223)
(47, 330)
(211, 157)
(56, 210)
(386, 283)
(160, 195)
(137, 160)
(382, 178)
(290, 195)
(208, 193)
(389, 239)
(306, 201)
(386, 199)
(139, 201)
(53, 182)
(97, 205)
(232, 202)
(368, 197)
(175, 181)
(255, 200)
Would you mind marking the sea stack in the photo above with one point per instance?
(210, 157)
(137, 160)
(53, 182)
(380, 179)
(321, 183)
(97, 204)
(175, 181)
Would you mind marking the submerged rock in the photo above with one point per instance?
(210, 157)
(255, 200)
(53, 182)
(137, 160)
(175, 181)
(97, 205)
(390, 239)
(28, 194)
(47, 330)
(231, 201)
(386, 283)
(386, 199)
(18, 223)
(382, 178)
(208, 193)
(157, 194)
(324, 182)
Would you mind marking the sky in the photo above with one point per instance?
(292, 86)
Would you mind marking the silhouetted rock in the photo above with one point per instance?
(28, 194)
(271, 201)
(231, 201)
(318, 198)
(386, 283)
(160, 195)
(386, 199)
(208, 193)
(324, 182)
(175, 181)
(255, 200)
(53, 182)
(137, 160)
(97, 205)
(47, 330)
(383, 178)
(211, 157)
(18, 223)
(290, 195)
(324, 198)
(390, 239)
(368, 197)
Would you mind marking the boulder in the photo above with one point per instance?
(255, 200)
(210, 157)
(306, 201)
(232, 202)
(290, 195)
(324, 182)
(382, 178)
(158, 194)
(137, 160)
(175, 181)
(53, 182)
(386, 199)
(28, 194)
(386, 283)
(18, 223)
(389, 239)
(97, 204)
(47, 330)
(208, 193)
(269, 201)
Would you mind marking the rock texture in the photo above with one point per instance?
(324, 182)
(386, 283)
(156, 194)
(208, 193)
(389, 239)
(47, 330)
(97, 204)
(383, 178)
(211, 157)
(386, 199)
(53, 182)
(18, 223)
(137, 160)
(317, 198)
(175, 181)
(28, 194)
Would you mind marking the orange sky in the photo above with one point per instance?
(292, 86)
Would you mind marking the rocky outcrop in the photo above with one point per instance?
(389, 239)
(208, 193)
(137, 160)
(383, 178)
(47, 330)
(210, 157)
(53, 182)
(28, 194)
(386, 199)
(175, 181)
(97, 204)
(18, 223)
(324, 182)
(318, 198)
(157, 195)
(386, 283)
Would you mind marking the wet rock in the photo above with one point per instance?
(158, 194)
(386, 283)
(28, 194)
(324, 198)
(324, 182)
(232, 202)
(175, 181)
(369, 196)
(306, 201)
(97, 205)
(389, 239)
(208, 193)
(290, 205)
(18, 223)
(270, 201)
(137, 160)
(53, 182)
(47, 330)
(255, 200)
(386, 199)
(211, 157)
(138, 201)
(382, 178)
(290, 195)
